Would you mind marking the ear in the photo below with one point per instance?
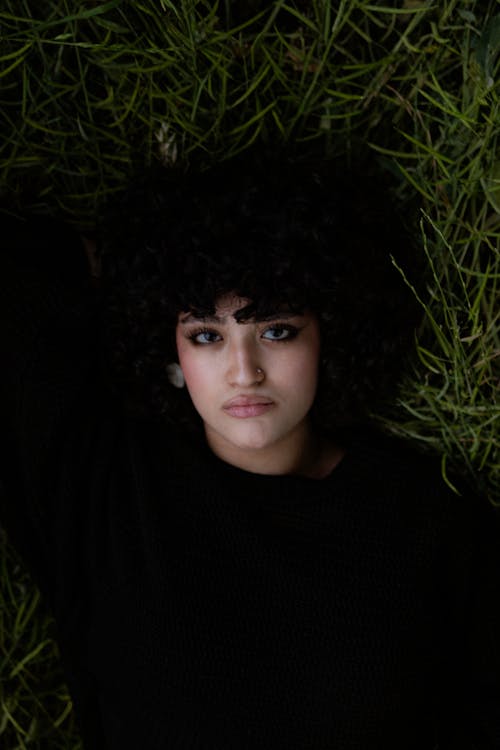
(175, 375)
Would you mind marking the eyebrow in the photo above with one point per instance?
(218, 320)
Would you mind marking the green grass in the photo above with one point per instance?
(91, 92)
(34, 703)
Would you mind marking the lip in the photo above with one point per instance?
(248, 406)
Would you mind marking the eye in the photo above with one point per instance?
(280, 333)
(205, 336)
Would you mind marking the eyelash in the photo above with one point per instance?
(197, 332)
(292, 333)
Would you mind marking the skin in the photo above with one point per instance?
(253, 385)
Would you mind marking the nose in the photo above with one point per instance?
(243, 369)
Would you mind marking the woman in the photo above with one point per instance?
(234, 556)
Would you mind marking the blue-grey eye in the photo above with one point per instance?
(280, 333)
(205, 337)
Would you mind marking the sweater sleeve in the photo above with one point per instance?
(483, 632)
(472, 627)
(48, 335)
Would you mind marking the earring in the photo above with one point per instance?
(175, 375)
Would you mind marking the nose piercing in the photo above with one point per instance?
(260, 371)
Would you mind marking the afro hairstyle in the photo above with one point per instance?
(278, 230)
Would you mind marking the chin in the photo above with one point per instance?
(252, 445)
(253, 440)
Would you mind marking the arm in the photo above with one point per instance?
(471, 628)
(483, 625)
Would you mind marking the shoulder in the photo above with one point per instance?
(397, 463)
(413, 482)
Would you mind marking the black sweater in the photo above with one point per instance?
(203, 607)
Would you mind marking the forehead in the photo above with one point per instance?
(229, 304)
(226, 307)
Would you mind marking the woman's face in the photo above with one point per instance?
(252, 383)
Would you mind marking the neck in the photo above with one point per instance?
(302, 454)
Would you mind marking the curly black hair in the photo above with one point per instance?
(280, 231)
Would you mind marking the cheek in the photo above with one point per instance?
(196, 372)
(307, 375)
(305, 360)
(308, 371)
(313, 355)
(184, 355)
(187, 360)
(298, 373)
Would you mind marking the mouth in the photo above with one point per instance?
(248, 406)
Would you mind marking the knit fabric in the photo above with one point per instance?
(200, 606)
